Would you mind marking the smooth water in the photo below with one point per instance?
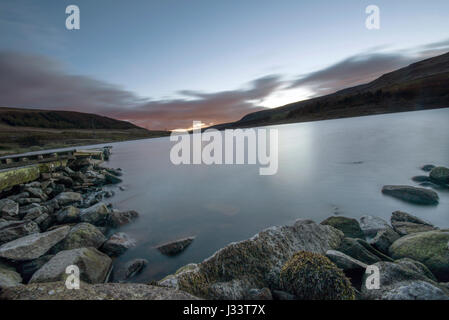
(325, 168)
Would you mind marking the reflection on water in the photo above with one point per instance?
(325, 168)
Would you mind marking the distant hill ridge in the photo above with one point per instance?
(49, 119)
(419, 86)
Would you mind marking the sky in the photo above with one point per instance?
(162, 64)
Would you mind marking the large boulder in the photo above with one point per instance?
(13, 230)
(255, 263)
(8, 277)
(412, 194)
(175, 247)
(312, 276)
(106, 291)
(400, 281)
(117, 244)
(81, 236)
(440, 175)
(370, 225)
(118, 219)
(97, 215)
(350, 227)
(9, 209)
(32, 246)
(94, 266)
(429, 248)
(67, 198)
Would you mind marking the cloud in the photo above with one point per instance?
(365, 67)
(37, 82)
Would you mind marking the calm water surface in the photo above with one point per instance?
(325, 168)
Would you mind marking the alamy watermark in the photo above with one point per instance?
(372, 22)
(228, 147)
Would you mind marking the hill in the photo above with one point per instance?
(419, 86)
(23, 130)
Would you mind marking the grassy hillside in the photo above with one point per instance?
(422, 85)
(23, 130)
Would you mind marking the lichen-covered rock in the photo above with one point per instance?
(117, 244)
(97, 215)
(412, 194)
(429, 248)
(106, 291)
(118, 219)
(350, 227)
(311, 276)
(16, 176)
(67, 198)
(394, 276)
(253, 263)
(69, 214)
(32, 246)
(94, 266)
(440, 175)
(175, 247)
(370, 225)
(8, 277)
(415, 290)
(405, 223)
(9, 209)
(13, 230)
(82, 235)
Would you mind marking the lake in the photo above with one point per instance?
(325, 168)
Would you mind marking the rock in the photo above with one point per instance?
(106, 291)
(384, 239)
(259, 294)
(400, 216)
(37, 193)
(393, 276)
(440, 175)
(9, 209)
(33, 213)
(94, 266)
(117, 244)
(421, 179)
(69, 214)
(134, 267)
(370, 225)
(412, 194)
(350, 227)
(97, 214)
(253, 263)
(415, 290)
(429, 248)
(312, 276)
(28, 268)
(8, 277)
(417, 267)
(405, 228)
(427, 167)
(353, 269)
(13, 230)
(112, 179)
(282, 295)
(67, 198)
(175, 247)
(66, 181)
(25, 201)
(82, 235)
(32, 246)
(118, 219)
(361, 251)
(19, 196)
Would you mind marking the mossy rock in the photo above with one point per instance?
(429, 248)
(350, 227)
(312, 276)
(440, 175)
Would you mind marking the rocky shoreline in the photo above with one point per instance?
(60, 220)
